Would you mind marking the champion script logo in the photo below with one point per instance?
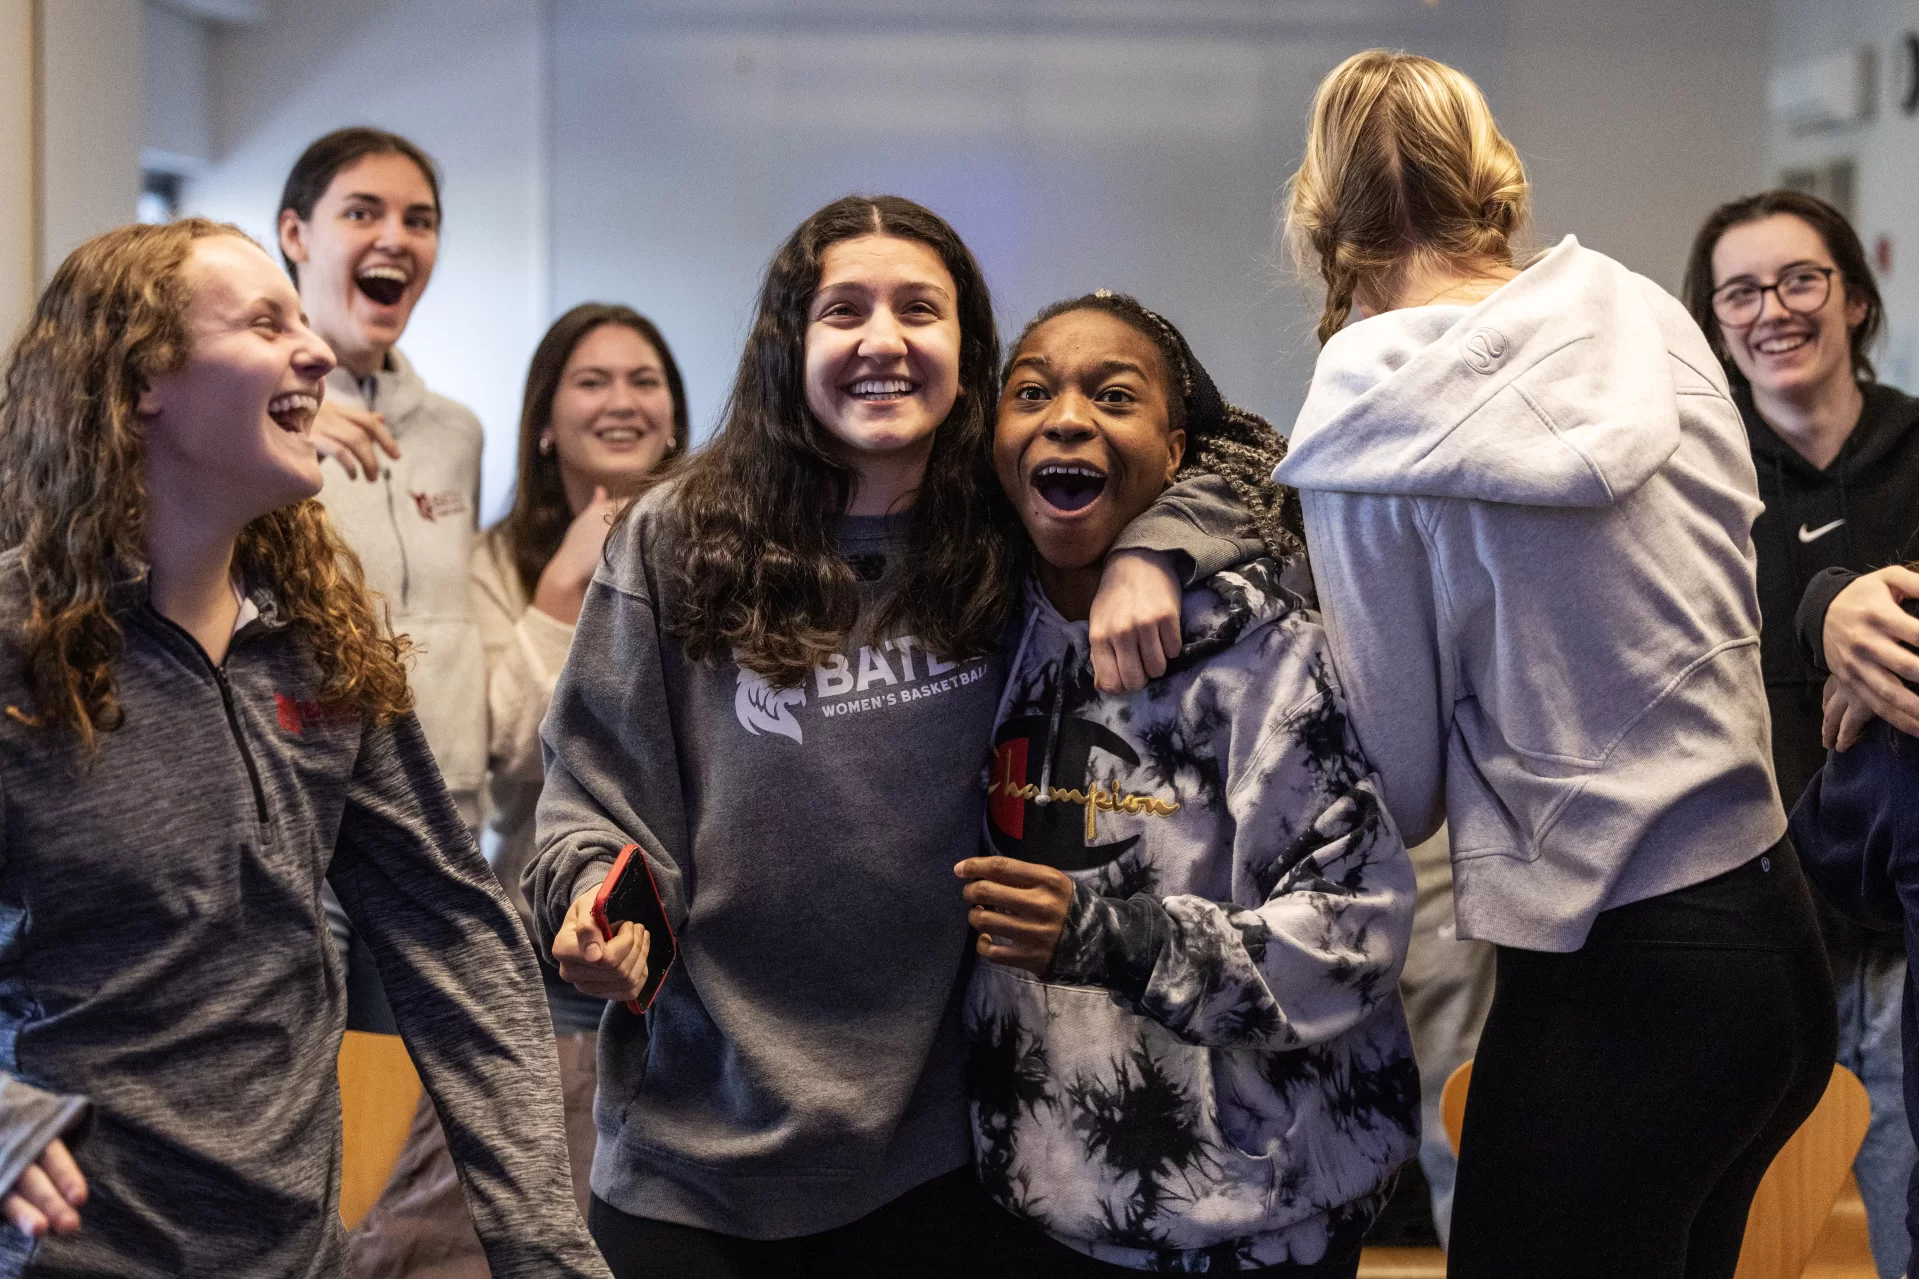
(1037, 823)
(1807, 535)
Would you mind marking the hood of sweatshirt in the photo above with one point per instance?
(1521, 399)
(1886, 418)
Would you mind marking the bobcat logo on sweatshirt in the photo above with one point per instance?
(765, 709)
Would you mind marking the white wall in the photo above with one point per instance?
(1139, 154)
(1884, 151)
(1637, 117)
(179, 124)
(92, 120)
(1141, 151)
(19, 207)
(656, 151)
(464, 79)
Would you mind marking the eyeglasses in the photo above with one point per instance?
(1802, 290)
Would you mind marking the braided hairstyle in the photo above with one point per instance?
(1222, 439)
(1405, 169)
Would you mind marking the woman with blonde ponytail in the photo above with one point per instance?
(1529, 504)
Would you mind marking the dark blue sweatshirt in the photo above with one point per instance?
(1857, 830)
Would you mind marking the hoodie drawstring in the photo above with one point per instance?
(1045, 795)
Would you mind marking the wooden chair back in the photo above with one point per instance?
(1795, 1199)
(379, 1091)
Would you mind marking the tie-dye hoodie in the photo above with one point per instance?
(1216, 1073)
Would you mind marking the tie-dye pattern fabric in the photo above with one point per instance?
(1216, 1074)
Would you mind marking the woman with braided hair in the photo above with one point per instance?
(1186, 1050)
(1530, 502)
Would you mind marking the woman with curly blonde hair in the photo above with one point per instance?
(204, 717)
(1529, 503)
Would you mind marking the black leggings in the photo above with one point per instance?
(936, 1229)
(1627, 1098)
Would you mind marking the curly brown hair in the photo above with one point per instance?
(762, 578)
(73, 492)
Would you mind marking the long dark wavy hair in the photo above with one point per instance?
(1841, 241)
(536, 524)
(762, 577)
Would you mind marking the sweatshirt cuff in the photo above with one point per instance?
(589, 878)
(30, 1119)
(1111, 942)
(1810, 621)
(1200, 524)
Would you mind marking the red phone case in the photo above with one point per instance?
(663, 948)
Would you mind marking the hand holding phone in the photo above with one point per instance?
(604, 967)
(623, 948)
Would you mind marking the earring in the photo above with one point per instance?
(546, 446)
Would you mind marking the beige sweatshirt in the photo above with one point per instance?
(524, 650)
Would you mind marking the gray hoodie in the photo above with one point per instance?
(162, 955)
(413, 530)
(1531, 530)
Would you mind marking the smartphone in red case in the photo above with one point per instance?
(630, 894)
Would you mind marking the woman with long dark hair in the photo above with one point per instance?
(1529, 506)
(205, 718)
(781, 689)
(604, 406)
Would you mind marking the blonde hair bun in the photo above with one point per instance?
(1404, 165)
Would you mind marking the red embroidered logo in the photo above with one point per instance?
(296, 713)
(434, 505)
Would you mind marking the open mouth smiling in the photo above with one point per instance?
(881, 390)
(383, 283)
(1068, 487)
(294, 411)
(620, 435)
(1782, 343)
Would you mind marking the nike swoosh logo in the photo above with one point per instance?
(1813, 535)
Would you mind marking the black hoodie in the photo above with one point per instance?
(1861, 513)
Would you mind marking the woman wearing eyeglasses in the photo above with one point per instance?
(1780, 285)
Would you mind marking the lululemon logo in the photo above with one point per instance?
(1485, 349)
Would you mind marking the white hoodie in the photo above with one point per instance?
(1530, 524)
(413, 530)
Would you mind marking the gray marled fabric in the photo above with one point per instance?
(163, 954)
